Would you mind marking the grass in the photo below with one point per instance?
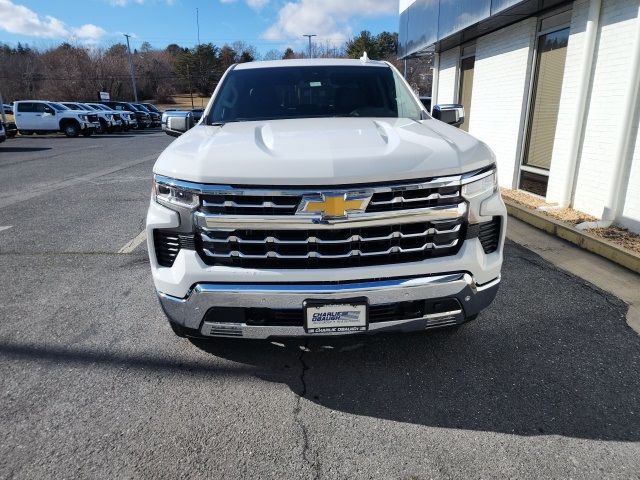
(183, 102)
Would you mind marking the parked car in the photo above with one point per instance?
(10, 123)
(319, 197)
(156, 118)
(143, 118)
(38, 116)
(128, 118)
(108, 121)
(151, 107)
(3, 133)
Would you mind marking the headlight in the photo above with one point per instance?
(109, 116)
(486, 184)
(84, 117)
(171, 195)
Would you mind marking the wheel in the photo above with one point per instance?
(87, 133)
(104, 128)
(71, 129)
(25, 132)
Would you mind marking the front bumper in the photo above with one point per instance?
(189, 313)
(90, 126)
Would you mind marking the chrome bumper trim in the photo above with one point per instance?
(189, 312)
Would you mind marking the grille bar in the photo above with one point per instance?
(352, 253)
(337, 248)
(316, 240)
(234, 204)
(402, 200)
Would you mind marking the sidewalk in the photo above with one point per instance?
(599, 271)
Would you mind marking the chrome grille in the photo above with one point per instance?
(286, 202)
(263, 227)
(250, 204)
(331, 248)
(412, 199)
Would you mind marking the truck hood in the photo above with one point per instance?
(321, 151)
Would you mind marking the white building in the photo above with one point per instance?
(552, 86)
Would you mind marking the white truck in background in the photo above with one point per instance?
(39, 116)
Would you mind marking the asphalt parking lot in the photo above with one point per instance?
(93, 383)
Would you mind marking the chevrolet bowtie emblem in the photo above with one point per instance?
(334, 205)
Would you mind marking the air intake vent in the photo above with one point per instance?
(489, 235)
(167, 245)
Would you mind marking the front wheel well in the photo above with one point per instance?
(66, 121)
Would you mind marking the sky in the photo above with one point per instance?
(266, 24)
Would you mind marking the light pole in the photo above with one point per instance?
(133, 75)
(309, 37)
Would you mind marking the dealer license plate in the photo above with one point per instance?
(323, 317)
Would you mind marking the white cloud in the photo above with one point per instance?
(123, 3)
(255, 4)
(20, 20)
(89, 32)
(329, 19)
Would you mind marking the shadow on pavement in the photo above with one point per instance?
(4, 149)
(552, 356)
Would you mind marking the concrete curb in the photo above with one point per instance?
(597, 245)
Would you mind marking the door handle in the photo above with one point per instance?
(38, 115)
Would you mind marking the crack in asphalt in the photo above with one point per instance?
(306, 447)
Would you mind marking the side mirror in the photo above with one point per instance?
(176, 123)
(452, 114)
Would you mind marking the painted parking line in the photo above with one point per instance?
(6, 228)
(131, 245)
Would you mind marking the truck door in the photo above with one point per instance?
(25, 116)
(48, 121)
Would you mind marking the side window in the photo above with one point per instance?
(407, 106)
(25, 107)
(40, 107)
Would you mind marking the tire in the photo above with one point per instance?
(104, 128)
(87, 133)
(71, 129)
(25, 132)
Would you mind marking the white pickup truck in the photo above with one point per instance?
(38, 116)
(318, 197)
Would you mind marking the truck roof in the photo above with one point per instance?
(311, 62)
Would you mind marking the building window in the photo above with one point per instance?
(545, 102)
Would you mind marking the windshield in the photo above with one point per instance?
(58, 106)
(314, 91)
